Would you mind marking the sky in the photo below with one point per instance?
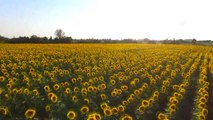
(115, 19)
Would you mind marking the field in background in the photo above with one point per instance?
(106, 81)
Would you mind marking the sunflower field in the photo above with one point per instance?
(106, 82)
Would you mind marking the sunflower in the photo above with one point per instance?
(145, 103)
(201, 117)
(132, 83)
(94, 116)
(26, 91)
(201, 105)
(124, 87)
(103, 86)
(54, 98)
(112, 82)
(74, 98)
(103, 105)
(172, 106)
(202, 100)
(71, 115)
(2, 78)
(15, 91)
(35, 92)
(172, 111)
(86, 100)
(56, 87)
(68, 90)
(101, 78)
(145, 85)
(103, 96)
(76, 89)
(126, 117)
(124, 103)
(47, 88)
(49, 95)
(73, 80)
(151, 100)
(129, 99)
(30, 113)
(113, 93)
(141, 108)
(47, 108)
(90, 88)
(120, 108)
(4, 110)
(107, 112)
(136, 92)
(204, 111)
(114, 110)
(161, 116)
(84, 109)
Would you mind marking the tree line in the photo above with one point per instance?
(61, 38)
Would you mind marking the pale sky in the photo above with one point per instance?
(115, 19)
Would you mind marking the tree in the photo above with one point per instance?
(59, 33)
(194, 41)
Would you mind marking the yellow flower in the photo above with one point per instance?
(84, 109)
(26, 91)
(15, 91)
(103, 96)
(120, 108)
(107, 112)
(47, 108)
(103, 86)
(74, 98)
(124, 103)
(90, 88)
(86, 100)
(132, 83)
(126, 117)
(47, 88)
(113, 93)
(71, 115)
(136, 92)
(76, 89)
(35, 92)
(172, 106)
(112, 82)
(201, 117)
(104, 105)
(141, 108)
(73, 80)
(124, 87)
(94, 116)
(30, 113)
(145, 103)
(4, 110)
(204, 111)
(68, 90)
(54, 98)
(114, 110)
(161, 116)
(172, 111)
(202, 100)
(56, 87)
(2, 78)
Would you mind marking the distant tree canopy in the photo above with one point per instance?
(59, 33)
(3, 39)
(194, 41)
(61, 38)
